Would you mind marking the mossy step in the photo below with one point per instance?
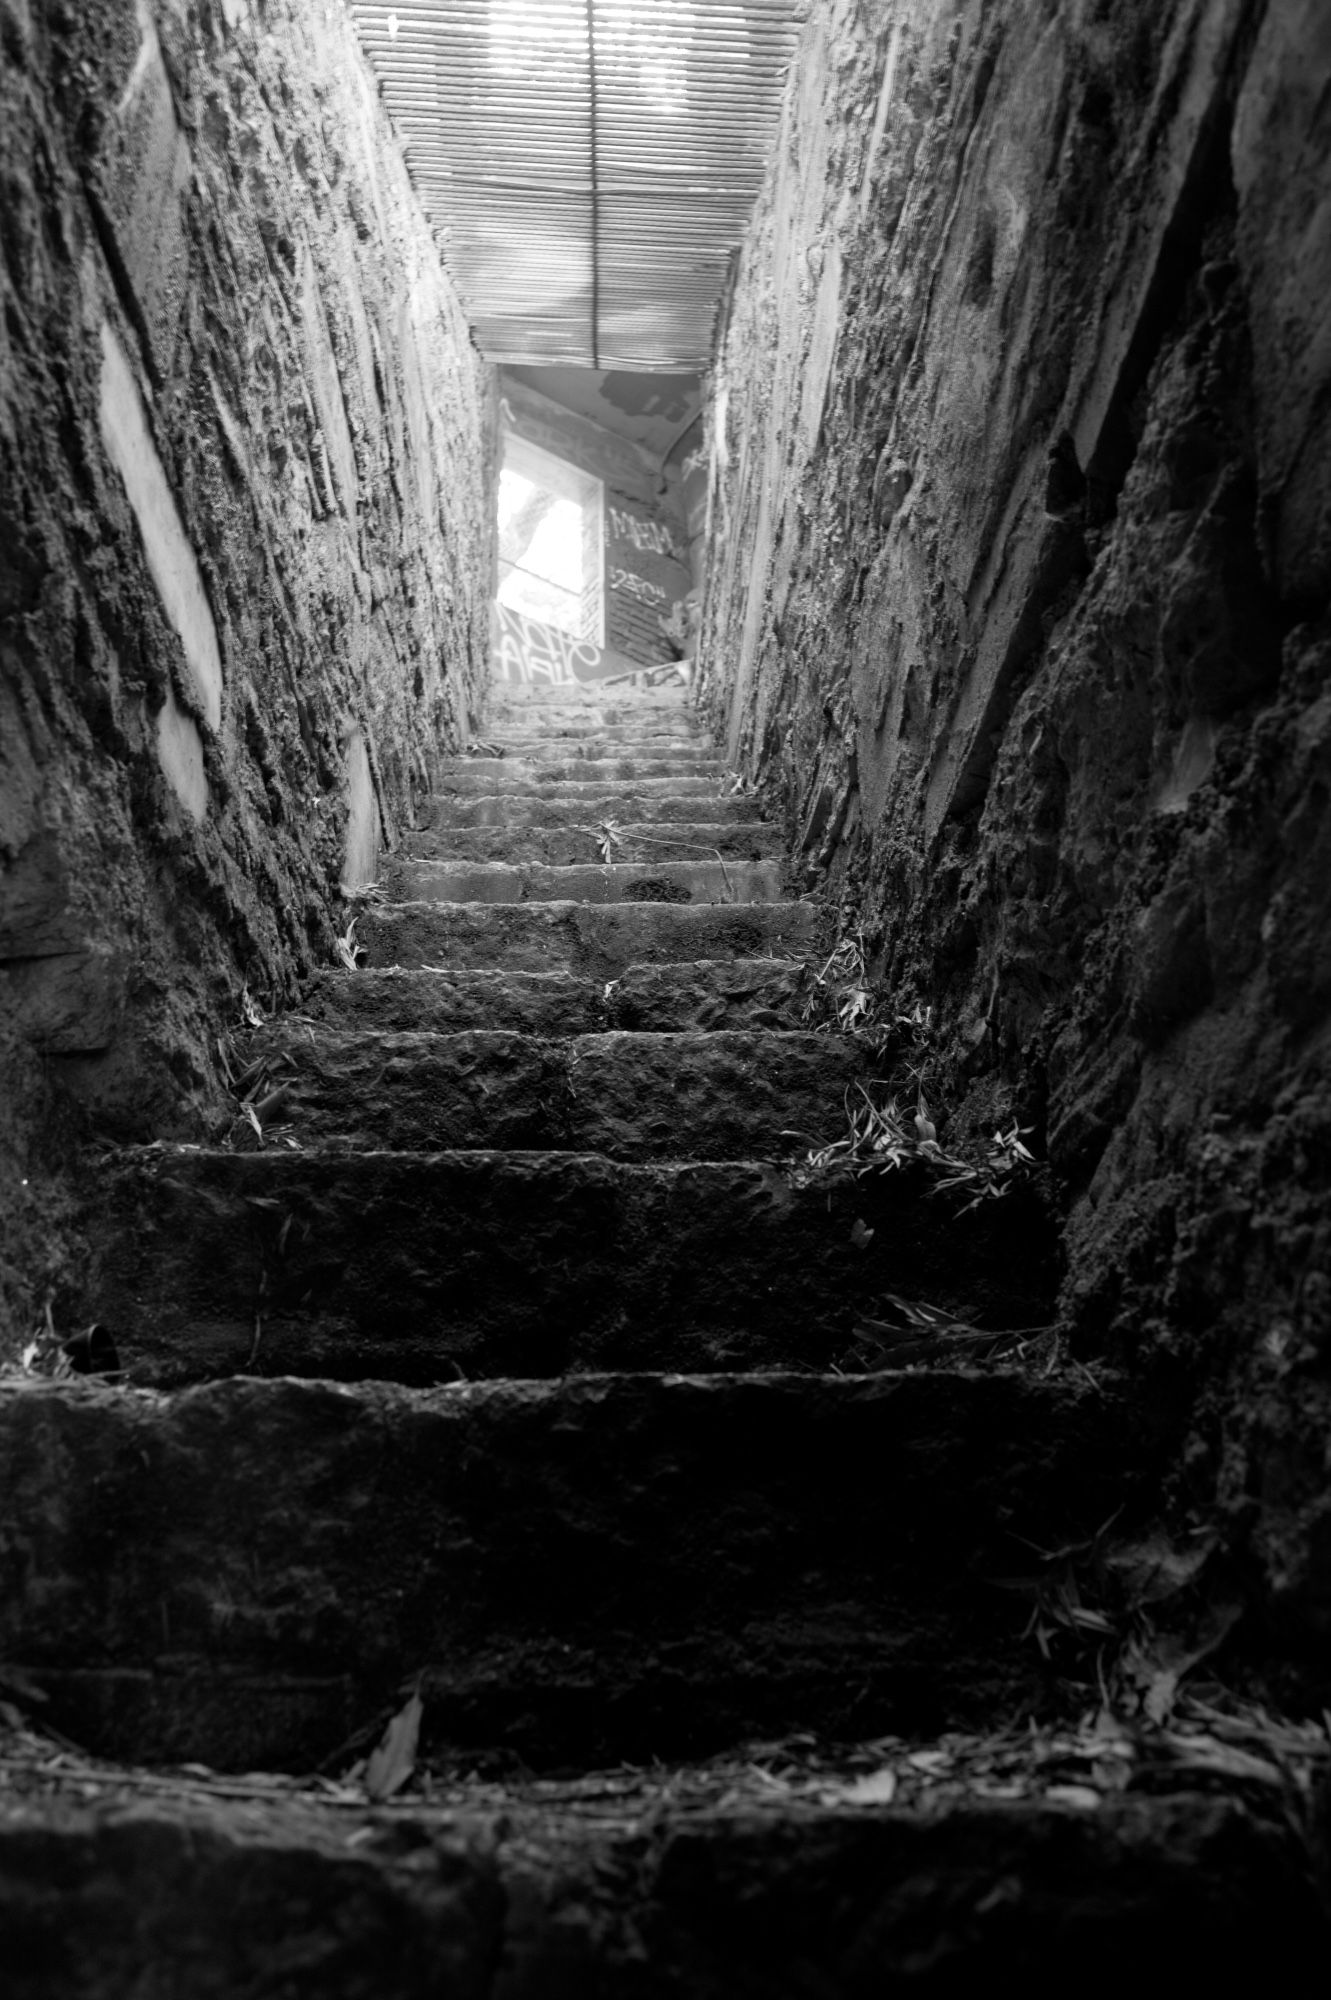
(597, 940)
(705, 881)
(678, 1883)
(736, 1095)
(411, 1266)
(576, 1571)
(565, 846)
(719, 993)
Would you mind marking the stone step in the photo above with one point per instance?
(542, 749)
(565, 846)
(734, 1095)
(709, 993)
(497, 774)
(246, 1572)
(658, 801)
(721, 993)
(614, 724)
(577, 695)
(598, 940)
(712, 881)
(684, 1882)
(411, 1266)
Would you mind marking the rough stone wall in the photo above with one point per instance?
(245, 546)
(1022, 485)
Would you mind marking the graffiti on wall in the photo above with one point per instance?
(525, 651)
(637, 586)
(650, 537)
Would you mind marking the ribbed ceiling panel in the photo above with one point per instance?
(590, 164)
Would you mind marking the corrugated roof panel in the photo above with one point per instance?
(589, 163)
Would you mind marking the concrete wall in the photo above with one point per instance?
(245, 545)
(1022, 479)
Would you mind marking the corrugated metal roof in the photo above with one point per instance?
(590, 163)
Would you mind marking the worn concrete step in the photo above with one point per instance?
(597, 940)
(709, 881)
(565, 846)
(719, 1095)
(576, 733)
(720, 993)
(444, 1002)
(596, 749)
(709, 993)
(613, 724)
(411, 1266)
(496, 774)
(576, 695)
(525, 804)
(576, 1571)
(685, 1882)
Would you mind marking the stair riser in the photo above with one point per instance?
(608, 725)
(598, 941)
(588, 805)
(584, 1570)
(541, 698)
(492, 774)
(665, 999)
(678, 750)
(407, 1266)
(629, 1096)
(713, 881)
(744, 993)
(766, 1897)
(565, 847)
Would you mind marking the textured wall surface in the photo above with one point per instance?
(1023, 486)
(245, 560)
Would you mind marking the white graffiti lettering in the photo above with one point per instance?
(525, 650)
(650, 537)
(637, 586)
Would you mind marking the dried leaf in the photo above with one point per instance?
(860, 1234)
(1223, 1760)
(876, 1788)
(349, 953)
(1154, 1569)
(393, 1760)
(932, 1761)
(1073, 1795)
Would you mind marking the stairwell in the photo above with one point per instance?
(499, 1388)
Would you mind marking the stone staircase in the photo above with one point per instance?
(498, 1389)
